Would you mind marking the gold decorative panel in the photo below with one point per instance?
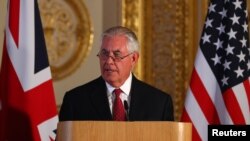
(168, 33)
(132, 20)
(68, 34)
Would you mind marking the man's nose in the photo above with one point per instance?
(110, 59)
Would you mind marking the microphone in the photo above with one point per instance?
(126, 109)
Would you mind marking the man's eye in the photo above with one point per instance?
(104, 53)
(117, 53)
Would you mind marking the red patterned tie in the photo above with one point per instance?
(118, 109)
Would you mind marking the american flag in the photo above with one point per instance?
(27, 103)
(219, 91)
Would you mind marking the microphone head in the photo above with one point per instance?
(125, 105)
(126, 109)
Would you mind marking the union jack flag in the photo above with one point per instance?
(219, 91)
(27, 103)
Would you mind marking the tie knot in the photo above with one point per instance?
(117, 92)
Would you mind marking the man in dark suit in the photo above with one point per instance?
(137, 101)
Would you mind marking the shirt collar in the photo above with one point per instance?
(124, 87)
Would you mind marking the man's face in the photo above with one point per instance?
(113, 71)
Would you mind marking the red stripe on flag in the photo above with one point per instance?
(185, 117)
(247, 88)
(3, 96)
(41, 98)
(25, 115)
(202, 97)
(233, 107)
(14, 12)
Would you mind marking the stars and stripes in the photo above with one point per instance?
(219, 91)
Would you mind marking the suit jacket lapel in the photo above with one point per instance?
(100, 100)
(137, 103)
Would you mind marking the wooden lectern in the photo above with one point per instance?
(124, 131)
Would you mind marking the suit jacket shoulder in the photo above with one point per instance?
(86, 102)
(89, 87)
(149, 103)
(140, 86)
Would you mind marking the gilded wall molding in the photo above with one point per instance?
(132, 20)
(168, 35)
(68, 34)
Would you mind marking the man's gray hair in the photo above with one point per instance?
(132, 41)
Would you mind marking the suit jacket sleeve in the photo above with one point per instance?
(66, 109)
(169, 112)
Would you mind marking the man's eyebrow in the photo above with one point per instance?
(104, 49)
(115, 51)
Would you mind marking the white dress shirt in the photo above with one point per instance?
(124, 95)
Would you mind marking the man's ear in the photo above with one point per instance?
(135, 57)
